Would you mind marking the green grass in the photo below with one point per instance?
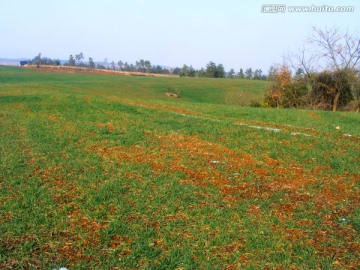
(99, 172)
(197, 90)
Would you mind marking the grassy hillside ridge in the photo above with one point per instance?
(103, 172)
(191, 89)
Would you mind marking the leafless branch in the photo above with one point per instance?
(339, 50)
(304, 59)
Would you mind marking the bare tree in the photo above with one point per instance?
(339, 50)
(304, 59)
(329, 56)
(329, 49)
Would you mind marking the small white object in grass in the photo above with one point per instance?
(299, 133)
(63, 268)
(337, 127)
(266, 128)
(214, 161)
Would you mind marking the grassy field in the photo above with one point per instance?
(202, 90)
(106, 172)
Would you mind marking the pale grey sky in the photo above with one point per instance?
(167, 32)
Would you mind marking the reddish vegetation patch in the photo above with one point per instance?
(53, 118)
(8, 244)
(119, 243)
(211, 164)
(164, 108)
(255, 211)
(109, 126)
(228, 250)
(314, 115)
(81, 232)
(207, 163)
(87, 99)
(271, 162)
(199, 160)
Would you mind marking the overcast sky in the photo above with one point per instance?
(167, 32)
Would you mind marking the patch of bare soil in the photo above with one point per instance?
(85, 70)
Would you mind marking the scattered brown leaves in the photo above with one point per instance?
(87, 99)
(207, 164)
(314, 115)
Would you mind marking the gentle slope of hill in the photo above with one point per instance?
(190, 89)
(100, 172)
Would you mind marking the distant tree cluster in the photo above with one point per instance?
(327, 79)
(249, 74)
(39, 60)
(143, 66)
(78, 60)
(213, 70)
(139, 66)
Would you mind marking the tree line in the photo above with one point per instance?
(212, 70)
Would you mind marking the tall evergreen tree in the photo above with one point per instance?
(71, 61)
(249, 73)
(241, 74)
(91, 63)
